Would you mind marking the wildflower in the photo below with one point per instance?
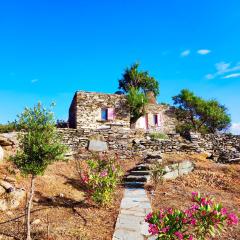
(84, 178)
(148, 217)
(224, 211)
(203, 201)
(190, 237)
(170, 210)
(104, 173)
(185, 220)
(232, 219)
(193, 221)
(179, 235)
(153, 229)
(164, 230)
(194, 194)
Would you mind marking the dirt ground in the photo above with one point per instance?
(222, 181)
(61, 210)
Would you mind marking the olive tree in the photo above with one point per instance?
(39, 145)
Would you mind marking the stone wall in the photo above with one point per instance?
(129, 142)
(119, 141)
(219, 147)
(85, 110)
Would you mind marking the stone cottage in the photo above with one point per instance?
(100, 110)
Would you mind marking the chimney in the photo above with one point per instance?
(151, 97)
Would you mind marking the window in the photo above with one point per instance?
(155, 119)
(104, 114)
(107, 114)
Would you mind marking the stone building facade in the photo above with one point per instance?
(100, 110)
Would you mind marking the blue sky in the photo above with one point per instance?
(50, 49)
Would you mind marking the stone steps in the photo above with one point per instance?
(139, 173)
(138, 176)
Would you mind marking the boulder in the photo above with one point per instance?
(97, 146)
(5, 141)
(1, 154)
(10, 197)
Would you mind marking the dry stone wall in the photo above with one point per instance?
(128, 143)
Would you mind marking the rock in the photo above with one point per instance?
(5, 141)
(97, 146)
(10, 198)
(35, 222)
(2, 190)
(178, 169)
(1, 154)
(6, 185)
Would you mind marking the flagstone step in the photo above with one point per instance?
(139, 172)
(138, 178)
(134, 184)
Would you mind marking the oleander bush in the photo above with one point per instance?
(100, 177)
(205, 219)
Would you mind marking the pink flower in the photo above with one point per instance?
(148, 217)
(193, 221)
(170, 210)
(161, 214)
(104, 173)
(179, 235)
(164, 230)
(232, 219)
(190, 237)
(203, 201)
(153, 229)
(84, 178)
(185, 220)
(194, 194)
(224, 211)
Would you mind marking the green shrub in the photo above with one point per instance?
(9, 127)
(157, 172)
(158, 135)
(101, 177)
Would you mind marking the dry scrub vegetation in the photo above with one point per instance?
(222, 181)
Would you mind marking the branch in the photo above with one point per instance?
(23, 215)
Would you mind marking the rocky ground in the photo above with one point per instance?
(61, 209)
(222, 181)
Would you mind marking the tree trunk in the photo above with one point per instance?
(29, 206)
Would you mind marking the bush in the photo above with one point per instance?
(158, 135)
(9, 127)
(203, 220)
(157, 172)
(101, 177)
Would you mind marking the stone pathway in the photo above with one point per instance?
(134, 207)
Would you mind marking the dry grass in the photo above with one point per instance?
(65, 212)
(220, 181)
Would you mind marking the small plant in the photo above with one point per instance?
(158, 135)
(101, 177)
(203, 220)
(157, 172)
